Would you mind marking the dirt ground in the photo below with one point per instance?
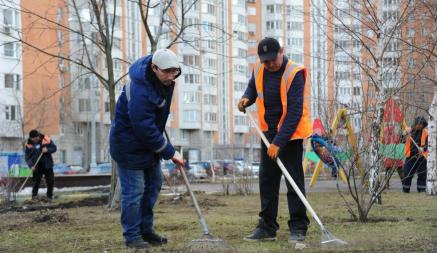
(404, 223)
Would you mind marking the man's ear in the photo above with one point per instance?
(281, 50)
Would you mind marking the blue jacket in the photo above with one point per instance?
(136, 139)
(33, 150)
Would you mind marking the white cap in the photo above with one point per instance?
(165, 59)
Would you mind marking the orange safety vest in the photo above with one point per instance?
(422, 143)
(304, 129)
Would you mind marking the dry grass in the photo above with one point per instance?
(404, 223)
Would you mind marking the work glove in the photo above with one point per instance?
(178, 159)
(273, 151)
(242, 104)
(420, 150)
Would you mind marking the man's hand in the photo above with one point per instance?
(178, 159)
(242, 104)
(420, 150)
(44, 150)
(273, 151)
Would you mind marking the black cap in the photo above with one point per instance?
(420, 120)
(268, 49)
(33, 133)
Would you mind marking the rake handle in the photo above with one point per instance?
(287, 175)
(193, 198)
(33, 168)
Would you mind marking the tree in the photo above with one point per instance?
(369, 40)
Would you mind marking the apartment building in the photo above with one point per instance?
(11, 87)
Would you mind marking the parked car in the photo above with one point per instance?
(204, 164)
(225, 167)
(61, 168)
(198, 171)
(255, 168)
(103, 168)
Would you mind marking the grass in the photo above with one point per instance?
(404, 223)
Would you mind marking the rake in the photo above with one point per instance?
(206, 243)
(327, 238)
(33, 169)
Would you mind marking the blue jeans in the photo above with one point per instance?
(139, 193)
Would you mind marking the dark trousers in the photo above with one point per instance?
(50, 181)
(415, 164)
(269, 183)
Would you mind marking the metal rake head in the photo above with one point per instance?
(329, 240)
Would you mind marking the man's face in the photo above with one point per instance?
(166, 76)
(418, 126)
(35, 139)
(275, 64)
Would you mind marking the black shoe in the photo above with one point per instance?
(138, 244)
(296, 238)
(154, 239)
(405, 190)
(260, 234)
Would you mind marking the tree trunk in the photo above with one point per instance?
(431, 178)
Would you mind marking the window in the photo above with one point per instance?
(192, 115)
(10, 49)
(107, 107)
(11, 112)
(10, 19)
(60, 38)
(63, 156)
(84, 105)
(210, 116)
(239, 120)
(117, 43)
(240, 86)
(78, 129)
(210, 9)
(210, 63)
(270, 8)
(207, 26)
(357, 91)
(191, 60)
(411, 32)
(210, 80)
(191, 97)
(297, 58)
(211, 44)
(209, 99)
(191, 78)
(12, 81)
(242, 53)
(251, 11)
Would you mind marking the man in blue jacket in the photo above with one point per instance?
(137, 143)
(36, 145)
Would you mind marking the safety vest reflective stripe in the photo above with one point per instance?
(423, 138)
(303, 129)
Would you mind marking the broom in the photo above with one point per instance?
(328, 239)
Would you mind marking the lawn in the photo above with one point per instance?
(404, 223)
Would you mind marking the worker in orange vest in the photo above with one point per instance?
(278, 87)
(415, 155)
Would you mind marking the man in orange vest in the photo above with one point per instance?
(415, 156)
(278, 87)
(36, 145)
